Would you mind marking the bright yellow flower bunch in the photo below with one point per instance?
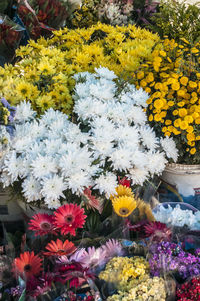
(151, 289)
(44, 75)
(124, 204)
(125, 272)
(172, 78)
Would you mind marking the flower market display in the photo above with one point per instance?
(99, 150)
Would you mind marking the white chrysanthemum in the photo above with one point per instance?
(137, 115)
(101, 92)
(140, 97)
(139, 159)
(51, 115)
(52, 204)
(102, 148)
(128, 136)
(149, 138)
(13, 165)
(81, 90)
(52, 188)
(169, 147)
(156, 162)
(121, 159)
(24, 112)
(37, 130)
(59, 126)
(22, 144)
(106, 183)
(75, 161)
(78, 181)
(138, 176)
(52, 146)
(31, 189)
(82, 107)
(106, 73)
(43, 166)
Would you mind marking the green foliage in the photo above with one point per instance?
(177, 20)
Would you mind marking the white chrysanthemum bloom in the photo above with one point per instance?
(121, 158)
(102, 92)
(78, 181)
(43, 166)
(106, 183)
(81, 90)
(128, 135)
(52, 204)
(24, 112)
(156, 162)
(52, 146)
(22, 144)
(13, 165)
(137, 115)
(140, 97)
(138, 176)
(82, 108)
(31, 189)
(53, 188)
(51, 115)
(59, 126)
(36, 130)
(149, 138)
(105, 72)
(102, 148)
(169, 147)
(139, 159)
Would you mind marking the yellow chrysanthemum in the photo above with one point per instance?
(124, 205)
(23, 89)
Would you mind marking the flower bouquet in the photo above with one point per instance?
(59, 268)
(52, 158)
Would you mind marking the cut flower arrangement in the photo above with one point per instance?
(172, 80)
(50, 158)
(49, 83)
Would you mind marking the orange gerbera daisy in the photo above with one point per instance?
(68, 218)
(60, 248)
(28, 265)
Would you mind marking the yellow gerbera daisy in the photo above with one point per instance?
(122, 190)
(124, 205)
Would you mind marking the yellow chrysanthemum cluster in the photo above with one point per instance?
(173, 80)
(125, 272)
(150, 289)
(45, 74)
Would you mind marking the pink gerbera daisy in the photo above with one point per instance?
(68, 218)
(42, 224)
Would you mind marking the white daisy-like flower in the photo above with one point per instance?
(22, 144)
(98, 91)
(24, 112)
(106, 183)
(102, 148)
(52, 188)
(81, 90)
(106, 73)
(13, 165)
(52, 204)
(6, 179)
(31, 189)
(169, 147)
(43, 166)
(149, 138)
(156, 162)
(121, 158)
(78, 181)
(138, 176)
(137, 115)
(82, 108)
(52, 146)
(139, 159)
(140, 97)
(51, 115)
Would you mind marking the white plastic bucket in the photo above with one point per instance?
(186, 178)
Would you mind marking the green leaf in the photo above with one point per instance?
(23, 296)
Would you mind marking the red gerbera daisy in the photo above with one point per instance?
(42, 224)
(28, 264)
(60, 248)
(157, 231)
(68, 218)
